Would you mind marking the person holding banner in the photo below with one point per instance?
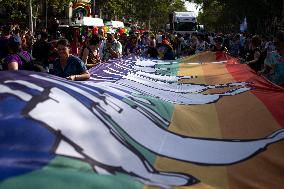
(254, 59)
(112, 48)
(67, 65)
(218, 47)
(274, 63)
(18, 59)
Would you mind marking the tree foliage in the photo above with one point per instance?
(19, 9)
(154, 13)
(261, 14)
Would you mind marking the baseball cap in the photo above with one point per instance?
(15, 40)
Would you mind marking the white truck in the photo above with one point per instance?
(183, 22)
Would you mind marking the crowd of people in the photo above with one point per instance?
(18, 48)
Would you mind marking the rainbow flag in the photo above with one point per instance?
(203, 122)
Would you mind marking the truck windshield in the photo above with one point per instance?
(185, 26)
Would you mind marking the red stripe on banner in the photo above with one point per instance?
(271, 95)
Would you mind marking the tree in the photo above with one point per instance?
(153, 12)
(230, 13)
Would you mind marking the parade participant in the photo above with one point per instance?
(90, 54)
(123, 39)
(166, 51)
(75, 43)
(85, 44)
(218, 47)
(159, 38)
(112, 48)
(202, 45)
(42, 49)
(131, 46)
(254, 57)
(152, 50)
(6, 34)
(17, 59)
(268, 44)
(235, 46)
(67, 65)
(101, 35)
(274, 63)
(211, 39)
(193, 44)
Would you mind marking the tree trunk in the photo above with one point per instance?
(282, 20)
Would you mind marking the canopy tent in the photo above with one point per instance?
(115, 24)
(89, 21)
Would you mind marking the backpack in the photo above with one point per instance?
(31, 65)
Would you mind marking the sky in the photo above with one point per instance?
(191, 7)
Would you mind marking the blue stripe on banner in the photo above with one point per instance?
(28, 143)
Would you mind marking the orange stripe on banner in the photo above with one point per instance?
(271, 95)
(189, 121)
(244, 116)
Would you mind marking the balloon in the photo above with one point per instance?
(126, 30)
(105, 28)
(121, 31)
(95, 30)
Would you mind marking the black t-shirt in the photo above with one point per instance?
(41, 51)
(215, 49)
(3, 47)
(257, 65)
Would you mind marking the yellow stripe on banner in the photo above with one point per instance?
(196, 186)
(242, 116)
(201, 58)
(189, 120)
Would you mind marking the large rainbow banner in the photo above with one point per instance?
(203, 122)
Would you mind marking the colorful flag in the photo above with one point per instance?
(205, 121)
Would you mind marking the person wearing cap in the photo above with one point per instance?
(67, 65)
(112, 48)
(17, 58)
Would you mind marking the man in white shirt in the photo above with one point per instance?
(112, 48)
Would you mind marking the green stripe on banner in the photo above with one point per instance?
(67, 173)
(164, 109)
(170, 68)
